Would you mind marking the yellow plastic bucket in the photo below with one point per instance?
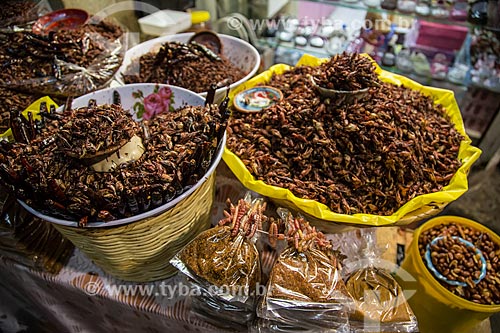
(436, 308)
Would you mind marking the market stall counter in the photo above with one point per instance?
(80, 297)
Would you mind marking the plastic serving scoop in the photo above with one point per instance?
(67, 19)
(209, 39)
(440, 276)
(123, 151)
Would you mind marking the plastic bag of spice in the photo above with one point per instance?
(63, 62)
(379, 302)
(305, 290)
(223, 265)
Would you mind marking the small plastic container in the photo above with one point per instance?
(200, 20)
(423, 7)
(372, 3)
(165, 22)
(407, 6)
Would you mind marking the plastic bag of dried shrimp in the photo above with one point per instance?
(305, 290)
(223, 266)
(379, 302)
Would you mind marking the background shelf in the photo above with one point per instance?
(359, 5)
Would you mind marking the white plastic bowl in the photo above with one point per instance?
(240, 53)
(181, 97)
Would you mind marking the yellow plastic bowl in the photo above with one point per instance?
(417, 209)
(436, 308)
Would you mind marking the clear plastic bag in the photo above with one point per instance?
(305, 290)
(18, 12)
(223, 265)
(379, 302)
(62, 63)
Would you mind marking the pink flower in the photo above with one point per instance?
(165, 93)
(166, 104)
(153, 105)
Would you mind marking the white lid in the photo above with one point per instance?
(164, 18)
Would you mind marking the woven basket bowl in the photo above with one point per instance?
(141, 251)
(138, 248)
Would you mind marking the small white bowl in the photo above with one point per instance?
(240, 53)
(180, 98)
